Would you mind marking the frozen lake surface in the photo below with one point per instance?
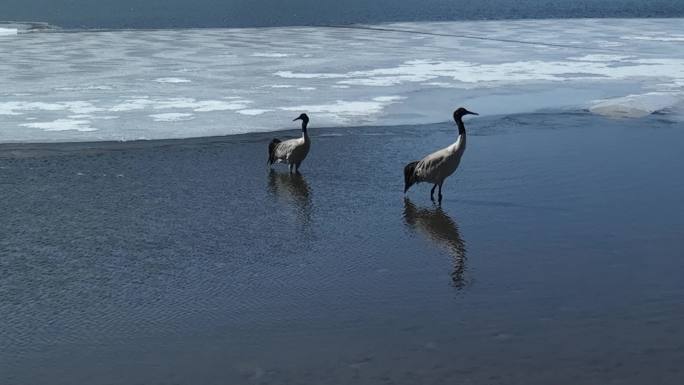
(153, 84)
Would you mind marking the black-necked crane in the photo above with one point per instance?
(436, 167)
(292, 151)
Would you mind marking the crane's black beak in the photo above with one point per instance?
(472, 113)
(296, 119)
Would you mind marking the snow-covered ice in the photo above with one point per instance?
(134, 84)
(8, 31)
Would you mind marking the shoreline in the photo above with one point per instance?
(6, 148)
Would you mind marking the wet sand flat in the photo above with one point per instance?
(556, 257)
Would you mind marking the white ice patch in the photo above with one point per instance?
(272, 55)
(181, 103)
(201, 105)
(80, 107)
(85, 88)
(636, 106)
(253, 111)
(21, 107)
(666, 38)
(217, 105)
(132, 105)
(348, 111)
(583, 68)
(440, 84)
(93, 117)
(172, 117)
(172, 80)
(62, 125)
(609, 44)
(388, 99)
(8, 31)
(601, 58)
(294, 75)
(17, 108)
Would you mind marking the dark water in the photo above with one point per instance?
(555, 258)
(250, 13)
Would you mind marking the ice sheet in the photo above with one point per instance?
(8, 31)
(134, 84)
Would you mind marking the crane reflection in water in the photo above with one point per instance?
(293, 189)
(443, 231)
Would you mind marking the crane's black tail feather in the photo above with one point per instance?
(271, 151)
(409, 175)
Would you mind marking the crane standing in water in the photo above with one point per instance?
(436, 167)
(292, 151)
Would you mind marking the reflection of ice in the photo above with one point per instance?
(603, 66)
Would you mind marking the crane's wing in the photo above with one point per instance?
(285, 148)
(428, 166)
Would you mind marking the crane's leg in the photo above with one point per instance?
(291, 166)
(297, 167)
(440, 193)
(432, 193)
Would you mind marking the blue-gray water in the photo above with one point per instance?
(556, 258)
(250, 13)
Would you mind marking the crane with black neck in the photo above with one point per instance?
(291, 151)
(439, 165)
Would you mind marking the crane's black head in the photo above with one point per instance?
(305, 121)
(461, 112)
(302, 117)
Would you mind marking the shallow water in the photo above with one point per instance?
(555, 258)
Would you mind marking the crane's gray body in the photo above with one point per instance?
(292, 151)
(436, 167)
